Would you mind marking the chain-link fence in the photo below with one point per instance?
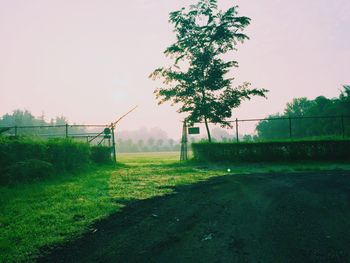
(93, 134)
(314, 127)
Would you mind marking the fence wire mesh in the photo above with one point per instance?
(316, 127)
(92, 134)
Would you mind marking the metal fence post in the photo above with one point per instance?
(184, 153)
(66, 130)
(290, 127)
(113, 145)
(237, 139)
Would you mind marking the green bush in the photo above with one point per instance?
(65, 154)
(20, 149)
(101, 154)
(25, 159)
(26, 171)
(331, 150)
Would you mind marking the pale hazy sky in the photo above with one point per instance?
(89, 60)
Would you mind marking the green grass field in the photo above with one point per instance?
(39, 216)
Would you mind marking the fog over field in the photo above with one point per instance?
(90, 60)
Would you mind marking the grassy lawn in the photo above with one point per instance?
(51, 211)
(58, 210)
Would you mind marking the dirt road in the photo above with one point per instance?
(302, 217)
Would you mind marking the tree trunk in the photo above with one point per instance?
(207, 127)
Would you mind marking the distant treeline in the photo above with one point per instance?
(26, 118)
(310, 127)
(149, 145)
(141, 140)
(22, 118)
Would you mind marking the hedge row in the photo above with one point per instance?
(23, 159)
(273, 151)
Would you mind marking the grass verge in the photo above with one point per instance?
(51, 211)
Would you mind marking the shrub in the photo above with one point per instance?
(25, 159)
(101, 154)
(26, 171)
(331, 150)
(65, 154)
(20, 149)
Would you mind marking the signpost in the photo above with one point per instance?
(193, 130)
(184, 140)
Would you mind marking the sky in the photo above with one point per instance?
(89, 60)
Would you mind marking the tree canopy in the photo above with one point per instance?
(337, 109)
(198, 78)
(22, 118)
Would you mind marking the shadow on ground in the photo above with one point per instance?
(302, 217)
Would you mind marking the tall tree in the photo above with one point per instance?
(198, 79)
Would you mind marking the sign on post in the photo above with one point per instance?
(193, 130)
(107, 133)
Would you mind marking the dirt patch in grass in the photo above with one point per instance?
(279, 217)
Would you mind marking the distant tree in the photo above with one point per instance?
(42, 119)
(61, 120)
(120, 145)
(160, 142)
(140, 144)
(302, 107)
(25, 118)
(220, 134)
(273, 129)
(150, 142)
(344, 99)
(345, 94)
(18, 118)
(198, 77)
(171, 142)
(298, 107)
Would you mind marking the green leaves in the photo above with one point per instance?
(198, 78)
